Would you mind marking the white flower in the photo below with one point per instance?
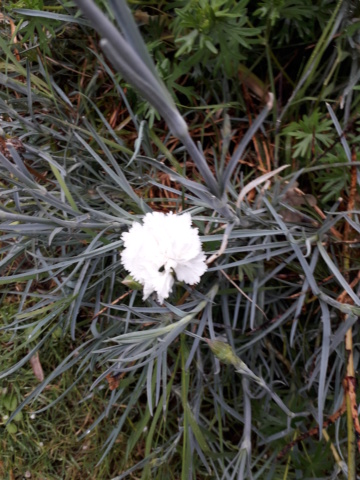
(163, 244)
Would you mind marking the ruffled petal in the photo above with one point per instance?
(190, 272)
(163, 285)
(163, 244)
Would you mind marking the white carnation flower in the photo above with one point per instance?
(163, 244)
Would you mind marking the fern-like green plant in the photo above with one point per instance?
(312, 134)
(213, 31)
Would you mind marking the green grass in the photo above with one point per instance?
(48, 444)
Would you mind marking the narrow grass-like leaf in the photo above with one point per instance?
(336, 272)
(51, 15)
(244, 142)
(340, 132)
(325, 350)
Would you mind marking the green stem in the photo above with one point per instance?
(350, 441)
(186, 455)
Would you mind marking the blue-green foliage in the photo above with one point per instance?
(88, 166)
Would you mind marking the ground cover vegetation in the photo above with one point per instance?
(251, 373)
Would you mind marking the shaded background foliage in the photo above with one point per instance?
(83, 155)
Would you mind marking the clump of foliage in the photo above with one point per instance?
(213, 28)
(243, 375)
